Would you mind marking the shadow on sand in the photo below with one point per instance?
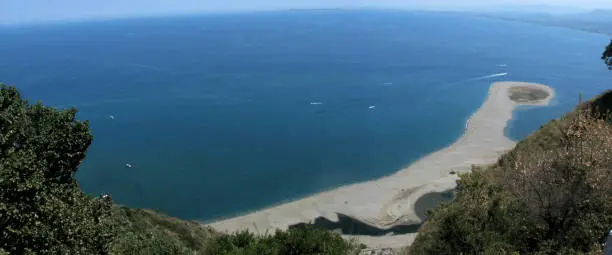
(347, 225)
(350, 226)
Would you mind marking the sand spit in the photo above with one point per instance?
(388, 202)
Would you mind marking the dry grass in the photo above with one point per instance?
(557, 184)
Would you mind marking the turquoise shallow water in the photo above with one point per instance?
(207, 104)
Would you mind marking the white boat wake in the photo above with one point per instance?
(490, 76)
(447, 86)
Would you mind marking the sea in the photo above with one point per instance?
(211, 116)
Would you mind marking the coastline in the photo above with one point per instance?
(389, 202)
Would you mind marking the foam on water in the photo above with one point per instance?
(490, 76)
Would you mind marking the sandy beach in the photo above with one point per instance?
(389, 201)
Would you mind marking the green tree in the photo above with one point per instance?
(42, 209)
(607, 55)
(148, 244)
(291, 242)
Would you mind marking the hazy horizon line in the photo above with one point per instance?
(100, 18)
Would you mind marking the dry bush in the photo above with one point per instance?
(568, 189)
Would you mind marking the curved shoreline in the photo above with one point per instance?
(389, 201)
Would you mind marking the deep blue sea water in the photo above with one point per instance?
(208, 104)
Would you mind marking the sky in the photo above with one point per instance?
(36, 11)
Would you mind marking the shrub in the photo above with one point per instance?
(42, 209)
(148, 244)
(293, 241)
(149, 232)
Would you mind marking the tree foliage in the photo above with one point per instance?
(481, 220)
(607, 55)
(153, 243)
(291, 242)
(144, 231)
(568, 190)
(42, 209)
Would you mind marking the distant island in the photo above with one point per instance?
(596, 21)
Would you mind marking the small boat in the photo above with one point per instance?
(112, 117)
(316, 103)
(372, 107)
(128, 165)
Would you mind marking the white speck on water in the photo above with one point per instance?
(372, 107)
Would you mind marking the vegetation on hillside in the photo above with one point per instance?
(607, 55)
(294, 241)
(146, 232)
(43, 211)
